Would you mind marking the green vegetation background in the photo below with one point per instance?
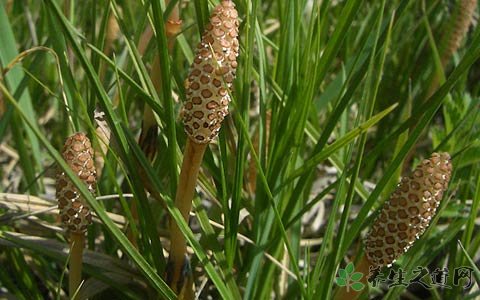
(343, 84)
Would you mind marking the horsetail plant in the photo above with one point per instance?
(405, 216)
(207, 90)
(149, 131)
(462, 19)
(173, 27)
(451, 41)
(74, 211)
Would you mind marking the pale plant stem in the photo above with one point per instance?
(148, 135)
(192, 160)
(172, 28)
(77, 243)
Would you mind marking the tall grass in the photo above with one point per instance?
(342, 86)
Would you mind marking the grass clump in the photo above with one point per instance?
(333, 102)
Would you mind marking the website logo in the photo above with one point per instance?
(349, 278)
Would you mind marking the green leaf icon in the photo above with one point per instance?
(341, 281)
(356, 276)
(342, 273)
(357, 286)
(349, 268)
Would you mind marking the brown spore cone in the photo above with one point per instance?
(408, 212)
(211, 75)
(74, 211)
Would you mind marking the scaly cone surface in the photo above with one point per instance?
(74, 211)
(211, 75)
(408, 212)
